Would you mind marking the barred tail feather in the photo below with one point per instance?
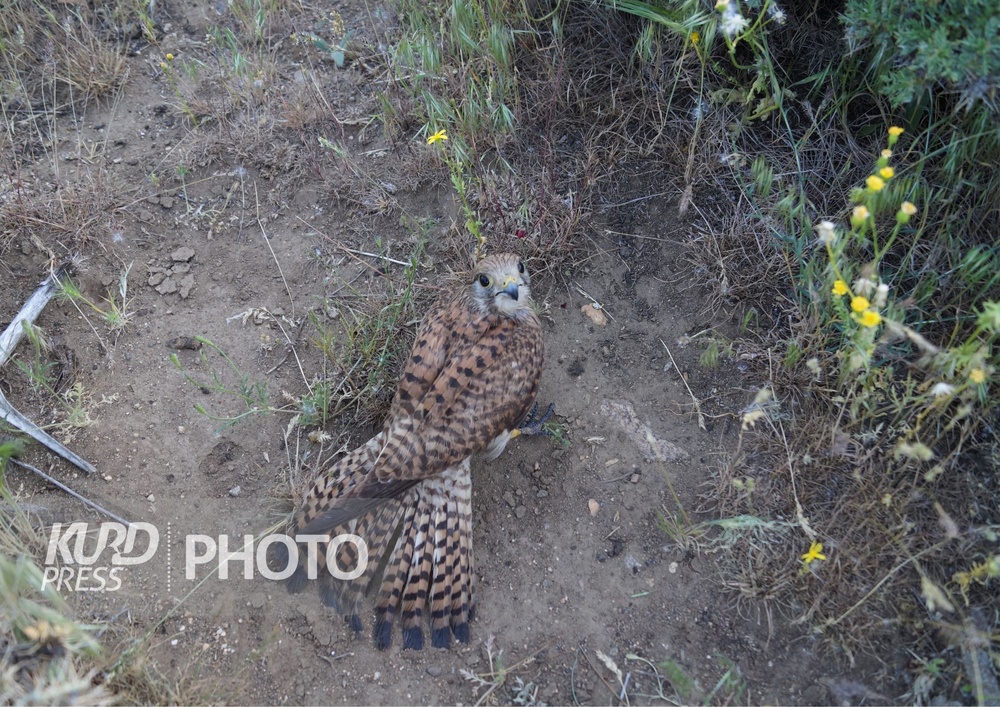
(430, 570)
(419, 550)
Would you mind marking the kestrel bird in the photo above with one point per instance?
(466, 390)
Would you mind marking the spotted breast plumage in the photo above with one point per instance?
(470, 381)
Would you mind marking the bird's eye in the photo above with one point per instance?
(484, 280)
(520, 267)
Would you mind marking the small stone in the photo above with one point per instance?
(150, 498)
(520, 512)
(166, 201)
(509, 498)
(277, 311)
(152, 200)
(634, 479)
(672, 568)
(433, 671)
(155, 279)
(26, 247)
(186, 283)
(167, 287)
(594, 506)
(145, 215)
(180, 268)
(107, 477)
(181, 429)
(182, 255)
(235, 491)
(542, 494)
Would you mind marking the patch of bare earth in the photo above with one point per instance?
(571, 559)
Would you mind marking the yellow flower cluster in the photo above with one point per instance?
(876, 182)
(861, 308)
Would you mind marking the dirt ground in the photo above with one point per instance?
(557, 583)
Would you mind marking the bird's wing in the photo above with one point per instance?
(484, 387)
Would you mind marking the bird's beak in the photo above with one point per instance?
(510, 287)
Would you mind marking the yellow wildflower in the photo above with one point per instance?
(860, 304)
(887, 172)
(875, 183)
(870, 318)
(859, 215)
(439, 135)
(815, 553)
(906, 210)
(694, 36)
(977, 375)
(895, 131)
(840, 288)
(170, 57)
(163, 64)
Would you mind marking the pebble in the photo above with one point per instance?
(186, 283)
(150, 498)
(167, 287)
(542, 494)
(182, 255)
(509, 498)
(520, 512)
(634, 479)
(433, 671)
(672, 568)
(235, 491)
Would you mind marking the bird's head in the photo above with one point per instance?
(500, 284)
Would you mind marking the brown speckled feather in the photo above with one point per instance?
(471, 378)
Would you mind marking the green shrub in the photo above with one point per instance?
(918, 48)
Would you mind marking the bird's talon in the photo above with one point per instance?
(534, 425)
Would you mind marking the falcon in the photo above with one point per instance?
(468, 387)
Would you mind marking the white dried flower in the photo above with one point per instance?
(941, 389)
(881, 296)
(864, 287)
(732, 21)
(776, 13)
(827, 232)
